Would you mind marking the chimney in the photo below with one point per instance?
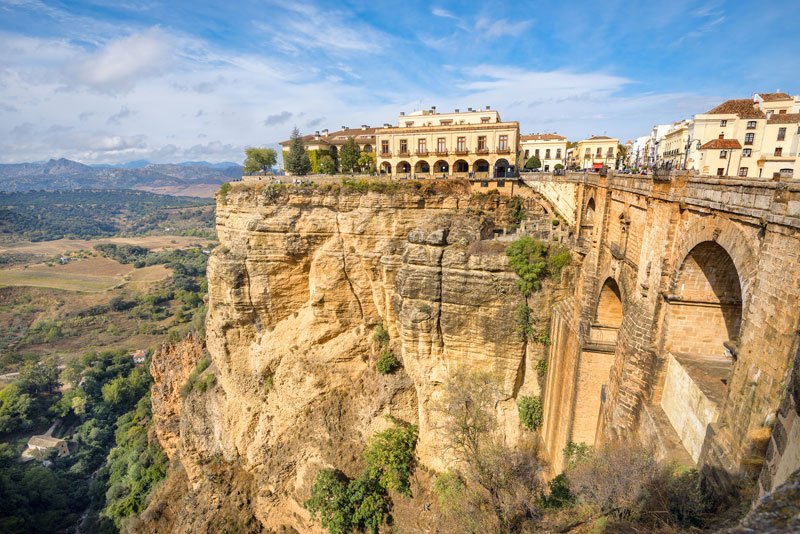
(345, 128)
(402, 113)
(325, 132)
(488, 108)
(433, 109)
(316, 135)
(387, 125)
(457, 110)
(469, 109)
(364, 126)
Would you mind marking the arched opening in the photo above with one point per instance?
(481, 165)
(704, 316)
(441, 167)
(501, 168)
(607, 316)
(461, 166)
(587, 224)
(422, 167)
(368, 148)
(386, 168)
(403, 167)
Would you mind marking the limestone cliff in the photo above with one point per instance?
(299, 281)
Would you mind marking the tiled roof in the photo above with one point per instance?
(543, 137)
(44, 441)
(784, 118)
(336, 138)
(721, 144)
(742, 107)
(773, 97)
(599, 137)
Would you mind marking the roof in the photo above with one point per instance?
(334, 138)
(773, 97)
(597, 137)
(721, 144)
(543, 137)
(44, 441)
(784, 118)
(742, 107)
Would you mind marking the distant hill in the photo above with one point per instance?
(186, 179)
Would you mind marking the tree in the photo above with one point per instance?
(366, 162)
(259, 160)
(39, 377)
(533, 163)
(327, 165)
(296, 160)
(348, 155)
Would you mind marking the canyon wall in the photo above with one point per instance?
(300, 279)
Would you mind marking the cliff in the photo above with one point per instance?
(296, 287)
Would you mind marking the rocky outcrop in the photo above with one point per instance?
(299, 281)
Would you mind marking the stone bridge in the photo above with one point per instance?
(683, 321)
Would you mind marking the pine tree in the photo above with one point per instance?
(296, 160)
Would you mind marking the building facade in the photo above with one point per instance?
(551, 149)
(596, 152)
(473, 144)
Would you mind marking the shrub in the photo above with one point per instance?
(528, 258)
(541, 369)
(523, 318)
(390, 456)
(574, 453)
(195, 382)
(559, 495)
(558, 258)
(380, 335)
(387, 363)
(530, 412)
(223, 192)
(330, 501)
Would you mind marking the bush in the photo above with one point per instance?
(533, 260)
(223, 192)
(330, 501)
(559, 495)
(387, 363)
(380, 335)
(390, 456)
(530, 412)
(195, 382)
(541, 369)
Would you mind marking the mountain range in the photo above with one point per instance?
(194, 178)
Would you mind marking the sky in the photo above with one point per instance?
(111, 81)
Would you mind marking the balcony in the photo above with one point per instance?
(386, 154)
(441, 152)
(403, 153)
(480, 150)
(503, 150)
(462, 151)
(421, 152)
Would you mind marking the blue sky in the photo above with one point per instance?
(114, 81)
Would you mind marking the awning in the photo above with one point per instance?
(598, 166)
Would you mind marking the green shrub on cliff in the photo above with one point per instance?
(533, 260)
(530, 412)
(387, 362)
(363, 504)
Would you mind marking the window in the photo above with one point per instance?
(461, 144)
(721, 136)
(481, 142)
(742, 171)
(409, 124)
(782, 112)
(720, 171)
(588, 153)
(527, 153)
(747, 152)
(723, 123)
(781, 134)
(536, 152)
(503, 142)
(404, 146)
(558, 153)
(485, 120)
(748, 138)
(446, 122)
(787, 172)
(547, 154)
(599, 152)
(751, 125)
(610, 153)
(441, 146)
(422, 145)
(779, 151)
(723, 154)
(384, 147)
(546, 168)
(367, 148)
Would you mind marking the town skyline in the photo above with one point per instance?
(112, 83)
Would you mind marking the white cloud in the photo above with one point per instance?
(443, 13)
(492, 28)
(120, 64)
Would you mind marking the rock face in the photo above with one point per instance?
(295, 289)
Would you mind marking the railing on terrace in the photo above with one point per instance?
(503, 150)
(462, 151)
(403, 153)
(482, 150)
(421, 152)
(441, 152)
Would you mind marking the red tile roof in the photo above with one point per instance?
(784, 118)
(337, 138)
(599, 137)
(721, 144)
(774, 97)
(543, 137)
(742, 107)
